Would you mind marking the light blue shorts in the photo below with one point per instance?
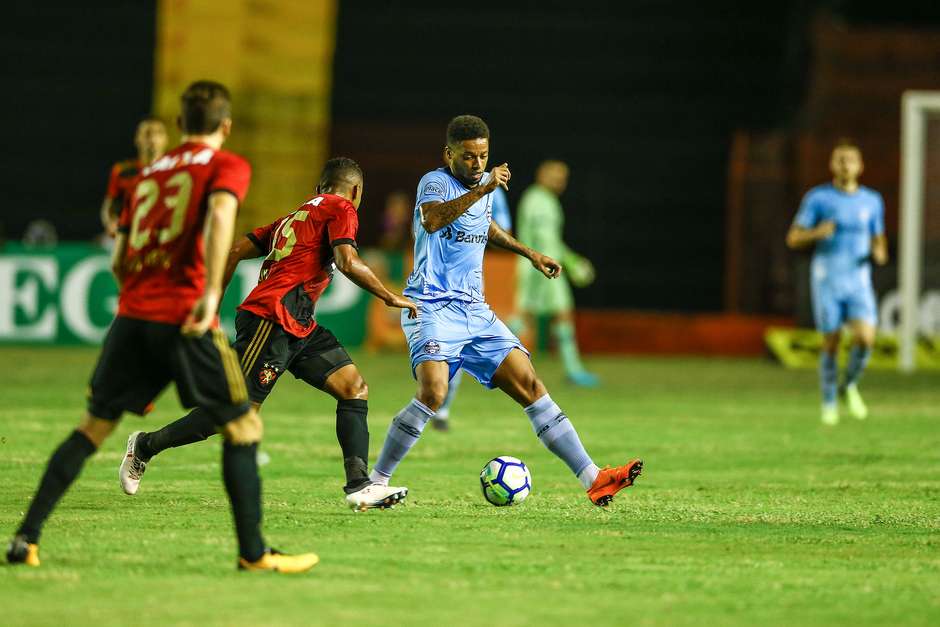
(835, 305)
(465, 335)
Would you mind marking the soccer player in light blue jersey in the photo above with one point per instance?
(455, 328)
(501, 216)
(845, 223)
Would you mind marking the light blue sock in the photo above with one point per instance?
(557, 433)
(444, 412)
(403, 433)
(858, 359)
(828, 377)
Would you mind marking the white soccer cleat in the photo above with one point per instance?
(375, 496)
(829, 415)
(133, 467)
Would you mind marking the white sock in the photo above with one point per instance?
(378, 478)
(589, 475)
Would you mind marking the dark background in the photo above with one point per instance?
(77, 79)
(639, 97)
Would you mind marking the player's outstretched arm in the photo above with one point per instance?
(243, 249)
(800, 237)
(543, 263)
(437, 215)
(351, 264)
(220, 225)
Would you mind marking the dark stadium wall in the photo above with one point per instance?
(640, 98)
(81, 78)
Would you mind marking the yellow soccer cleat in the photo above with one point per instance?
(276, 562)
(22, 551)
(829, 415)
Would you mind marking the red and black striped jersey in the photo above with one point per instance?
(164, 266)
(299, 262)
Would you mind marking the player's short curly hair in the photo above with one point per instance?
(340, 170)
(204, 105)
(464, 127)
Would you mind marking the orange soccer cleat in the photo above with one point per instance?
(610, 481)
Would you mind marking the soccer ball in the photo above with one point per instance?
(505, 481)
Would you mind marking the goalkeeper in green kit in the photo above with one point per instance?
(539, 225)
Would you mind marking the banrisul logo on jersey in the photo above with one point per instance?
(462, 237)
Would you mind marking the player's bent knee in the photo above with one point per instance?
(246, 429)
(865, 337)
(433, 395)
(357, 389)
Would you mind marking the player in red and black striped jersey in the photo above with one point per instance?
(169, 259)
(277, 329)
(150, 139)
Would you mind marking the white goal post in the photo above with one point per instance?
(916, 106)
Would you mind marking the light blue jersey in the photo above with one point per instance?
(454, 323)
(841, 270)
(449, 262)
(501, 209)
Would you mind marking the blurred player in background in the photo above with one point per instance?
(169, 259)
(277, 330)
(456, 328)
(151, 140)
(845, 223)
(396, 223)
(541, 222)
(503, 218)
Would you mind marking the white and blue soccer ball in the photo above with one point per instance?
(505, 481)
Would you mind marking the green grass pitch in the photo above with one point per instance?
(748, 511)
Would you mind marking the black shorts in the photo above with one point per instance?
(266, 350)
(140, 358)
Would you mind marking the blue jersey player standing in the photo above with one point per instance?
(502, 217)
(455, 328)
(845, 223)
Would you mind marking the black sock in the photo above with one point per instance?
(195, 426)
(240, 473)
(63, 467)
(352, 431)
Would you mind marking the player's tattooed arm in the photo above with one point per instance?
(436, 215)
(243, 249)
(543, 263)
(351, 264)
(800, 237)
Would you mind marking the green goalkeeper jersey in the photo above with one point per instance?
(540, 222)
